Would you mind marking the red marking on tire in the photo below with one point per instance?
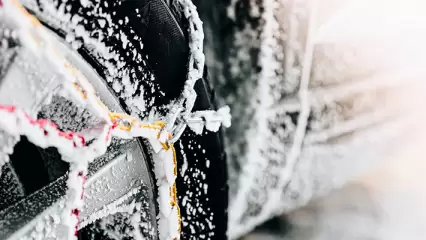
(9, 108)
(76, 211)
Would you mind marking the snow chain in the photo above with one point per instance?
(73, 147)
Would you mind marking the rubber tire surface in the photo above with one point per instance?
(202, 187)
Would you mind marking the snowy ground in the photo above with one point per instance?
(387, 204)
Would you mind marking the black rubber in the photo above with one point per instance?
(164, 40)
(206, 155)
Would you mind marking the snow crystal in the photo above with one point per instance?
(184, 166)
(211, 120)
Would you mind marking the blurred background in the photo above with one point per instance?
(327, 140)
(387, 203)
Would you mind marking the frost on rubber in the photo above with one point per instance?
(75, 148)
(81, 148)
